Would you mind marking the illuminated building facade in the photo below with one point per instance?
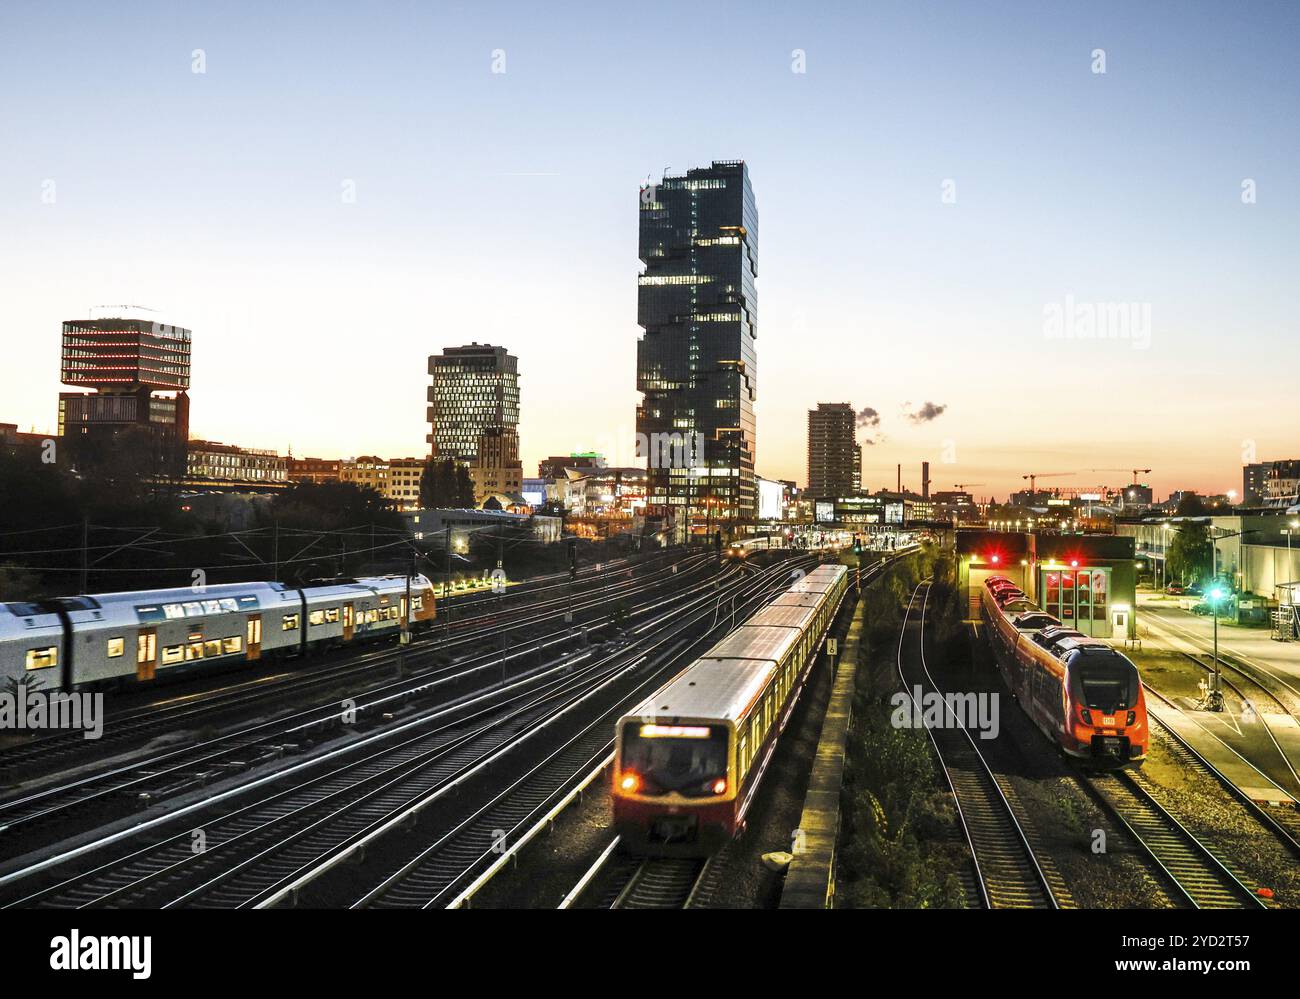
(472, 389)
(496, 469)
(139, 372)
(210, 465)
(696, 360)
(834, 457)
(314, 469)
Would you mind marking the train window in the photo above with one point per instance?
(289, 623)
(417, 603)
(331, 615)
(43, 658)
(172, 654)
(348, 615)
(146, 648)
(193, 650)
(116, 646)
(211, 606)
(231, 645)
(255, 631)
(193, 608)
(212, 647)
(229, 605)
(316, 617)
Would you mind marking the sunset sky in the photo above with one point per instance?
(502, 208)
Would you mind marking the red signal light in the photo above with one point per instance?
(1074, 563)
(995, 559)
(630, 783)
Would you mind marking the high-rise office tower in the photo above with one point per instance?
(834, 457)
(473, 389)
(696, 361)
(140, 373)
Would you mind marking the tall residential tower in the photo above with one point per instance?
(474, 389)
(696, 361)
(834, 455)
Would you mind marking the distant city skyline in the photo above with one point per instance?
(956, 204)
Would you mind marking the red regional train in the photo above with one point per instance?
(689, 759)
(1080, 692)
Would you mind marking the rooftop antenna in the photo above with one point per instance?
(144, 307)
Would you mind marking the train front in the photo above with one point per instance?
(673, 789)
(1107, 708)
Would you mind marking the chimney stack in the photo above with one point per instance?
(925, 480)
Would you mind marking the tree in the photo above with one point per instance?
(332, 506)
(446, 484)
(1190, 556)
(1190, 505)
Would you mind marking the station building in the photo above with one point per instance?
(1088, 581)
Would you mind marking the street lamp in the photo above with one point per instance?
(1214, 697)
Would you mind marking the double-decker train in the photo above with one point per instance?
(689, 759)
(1081, 693)
(75, 642)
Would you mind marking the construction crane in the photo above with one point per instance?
(963, 485)
(1033, 478)
(1136, 472)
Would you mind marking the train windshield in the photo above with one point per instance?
(688, 759)
(1107, 683)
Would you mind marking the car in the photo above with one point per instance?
(1175, 589)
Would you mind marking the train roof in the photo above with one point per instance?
(1033, 620)
(754, 642)
(819, 580)
(1082, 644)
(711, 689)
(790, 599)
(785, 615)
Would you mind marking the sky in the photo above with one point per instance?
(946, 192)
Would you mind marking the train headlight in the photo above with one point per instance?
(630, 783)
(719, 786)
(1132, 718)
(1086, 715)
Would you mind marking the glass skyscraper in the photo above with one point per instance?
(473, 389)
(696, 361)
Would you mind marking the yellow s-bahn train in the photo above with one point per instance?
(689, 759)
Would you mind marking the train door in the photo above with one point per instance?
(146, 654)
(349, 622)
(1118, 625)
(254, 637)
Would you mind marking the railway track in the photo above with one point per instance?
(257, 854)
(137, 783)
(1007, 871)
(1196, 873)
(1268, 693)
(434, 877)
(137, 725)
(1281, 820)
(662, 883)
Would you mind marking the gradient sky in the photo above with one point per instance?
(503, 208)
